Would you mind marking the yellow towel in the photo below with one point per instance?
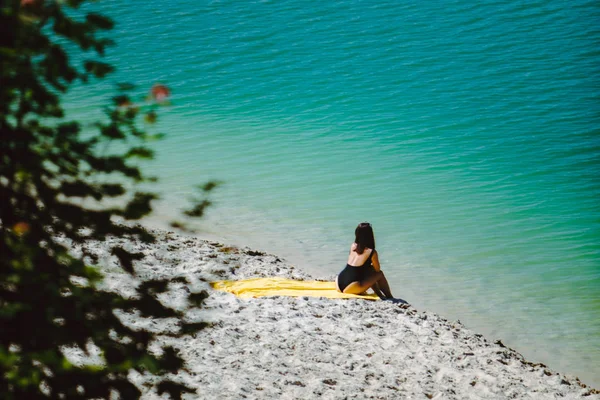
(259, 287)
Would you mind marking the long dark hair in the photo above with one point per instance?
(364, 237)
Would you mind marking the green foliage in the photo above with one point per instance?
(54, 187)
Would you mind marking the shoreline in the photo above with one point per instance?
(284, 347)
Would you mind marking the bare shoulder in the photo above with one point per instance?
(353, 247)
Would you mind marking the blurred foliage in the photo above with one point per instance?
(59, 186)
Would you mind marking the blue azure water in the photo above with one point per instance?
(467, 133)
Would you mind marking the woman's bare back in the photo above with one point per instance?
(355, 259)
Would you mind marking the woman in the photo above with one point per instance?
(363, 270)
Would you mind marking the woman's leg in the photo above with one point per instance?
(378, 292)
(376, 281)
(384, 286)
(361, 287)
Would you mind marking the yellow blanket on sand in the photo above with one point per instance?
(259, 287)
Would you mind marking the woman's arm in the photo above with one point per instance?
(375, 261)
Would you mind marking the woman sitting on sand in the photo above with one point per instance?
(363, 270)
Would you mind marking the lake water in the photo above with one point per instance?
(467, 133)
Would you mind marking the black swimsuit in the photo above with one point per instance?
(355, 274)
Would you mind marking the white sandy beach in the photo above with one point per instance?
(304, 348)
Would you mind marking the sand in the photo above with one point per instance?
(304, 348)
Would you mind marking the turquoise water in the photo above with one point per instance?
(467, 134)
